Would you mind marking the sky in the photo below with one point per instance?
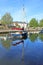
(33, 9)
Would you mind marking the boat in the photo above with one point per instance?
(19, 35)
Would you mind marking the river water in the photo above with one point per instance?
(16, 51)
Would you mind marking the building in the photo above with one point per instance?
(18, 23)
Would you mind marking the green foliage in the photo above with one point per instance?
(6, 43)
(33, 23)
(33, 37)
(6, 19)
(41, 23)
(41, 36)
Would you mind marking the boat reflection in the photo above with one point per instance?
(7, 42)
(18, 43)
(22, 56)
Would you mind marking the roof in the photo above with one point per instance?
(19, 22)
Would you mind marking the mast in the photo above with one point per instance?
(24, 15)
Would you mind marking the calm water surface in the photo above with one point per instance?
(18, 51)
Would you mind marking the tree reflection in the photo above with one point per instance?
(41, 36)
(6, 43)
(33, 37)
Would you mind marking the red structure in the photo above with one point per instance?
(17, 28)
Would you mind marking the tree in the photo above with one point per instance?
(41, 23)
(6, 19)
(33, 23)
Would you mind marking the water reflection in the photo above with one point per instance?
(22, 51)
(6, 43)
(41, 37)
(33, 37)
(14, 44)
